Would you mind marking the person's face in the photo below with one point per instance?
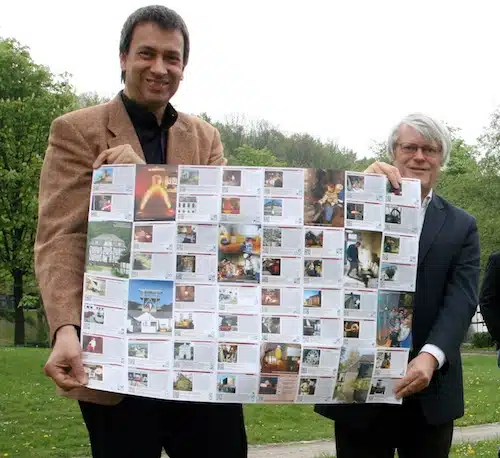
(416, 157)
(154, 65)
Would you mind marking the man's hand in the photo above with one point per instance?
(122, 154)
(64, 365)
(418, 375)
(390, 171)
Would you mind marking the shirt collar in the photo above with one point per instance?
(427, 200)
(141, 116)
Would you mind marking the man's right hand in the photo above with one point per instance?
(121, 154)
(64, 365)
(392, 173)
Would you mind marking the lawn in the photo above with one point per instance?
(36, 423)
(483, 449)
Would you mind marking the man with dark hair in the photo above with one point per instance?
(138, 126)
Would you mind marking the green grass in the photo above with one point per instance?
(483, 449)
(34, 422)
(7, 330)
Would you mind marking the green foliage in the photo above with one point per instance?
(30, 98)
(89, 99)
(246, 155)
(482, 340)
(295, 150)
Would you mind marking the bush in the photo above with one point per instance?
(482, 340)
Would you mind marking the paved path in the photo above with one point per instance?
(316, 449)
(321, 448)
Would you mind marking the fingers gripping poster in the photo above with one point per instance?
(249, 285)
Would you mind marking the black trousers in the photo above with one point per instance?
(405, 431)
(141, 428)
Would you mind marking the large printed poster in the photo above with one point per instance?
(248, 284)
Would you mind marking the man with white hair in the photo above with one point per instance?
(444, 303)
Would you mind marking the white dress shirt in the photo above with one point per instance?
(430, 348)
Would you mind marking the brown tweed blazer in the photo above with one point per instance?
(75, 140)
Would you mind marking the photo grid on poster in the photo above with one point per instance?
(249, 284)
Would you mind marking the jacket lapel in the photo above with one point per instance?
(181, 143)
(121, 128)
(433, 222)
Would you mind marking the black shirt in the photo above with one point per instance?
(153, 137)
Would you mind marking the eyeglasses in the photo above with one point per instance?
(412, 148)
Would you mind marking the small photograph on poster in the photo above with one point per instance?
(391, 363)
(365, 187)
(355, 183)
(108, 248)
(196, 267)
(143, 233)
(241, 209)
(199, 179)
(150, 307)
(194, 325)
(360, 303)
(239, 253)
(103, 176)
(408, 192)
(155, 237)
(242, 180)
(279, 358)
(354, 375)
(365, 215)
(382, 391)
(190, 176)
(273, 207)
(186, 263)
(156, 266)
(114, 179)
(271, 297)
(362, 258)
(111, 207)
(325, 302)
(155, 192)
(198, 238)
(283, 270)
(231, 206)
(231, 177)
(402, 219)
(283, 182)
(398, 277)
(394, 319)
(324, 197)
(244, 298)
(279, 240)
(92, 344)
(273, 179)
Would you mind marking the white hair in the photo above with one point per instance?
(431, 129)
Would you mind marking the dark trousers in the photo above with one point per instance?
(141, 428)
(405, 431)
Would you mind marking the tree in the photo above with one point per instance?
(30, 98)
(245, 155)
(89, 99)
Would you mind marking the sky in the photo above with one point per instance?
(339, 70)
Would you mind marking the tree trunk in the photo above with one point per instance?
(18, 277)
(41, 324)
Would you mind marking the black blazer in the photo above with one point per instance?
(444, 303)
(489, 299)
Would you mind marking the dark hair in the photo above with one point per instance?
(160, 15)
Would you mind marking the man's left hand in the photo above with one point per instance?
(418, 376)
